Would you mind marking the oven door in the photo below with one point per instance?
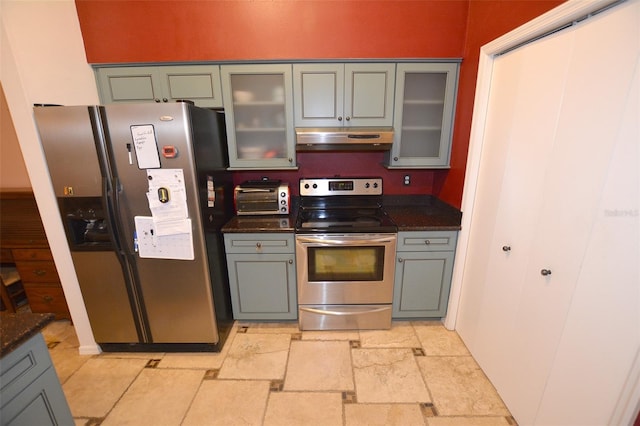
(334, 269)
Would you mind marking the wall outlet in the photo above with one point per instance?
(407, 180)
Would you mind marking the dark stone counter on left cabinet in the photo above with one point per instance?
(16, 329)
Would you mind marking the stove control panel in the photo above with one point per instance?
(321, 187)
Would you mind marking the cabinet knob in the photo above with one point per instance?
(290, 160)
(157, 100)
(165, 100)
(340, 118)
(39, 272)
(348, 118)
(427, 242)
(47, 298)
(395, 158)
(258, 245)
(545, 272)
(290, 261)
(506, 248)
(400, 260)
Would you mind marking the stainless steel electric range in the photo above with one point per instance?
(345, 255)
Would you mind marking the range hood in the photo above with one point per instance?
(344, 139)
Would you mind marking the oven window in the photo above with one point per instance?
(346, 263)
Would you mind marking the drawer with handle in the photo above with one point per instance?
(37, 271)
(31, 254)
(427, 241)
(47, 298)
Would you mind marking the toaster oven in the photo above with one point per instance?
(262, 197)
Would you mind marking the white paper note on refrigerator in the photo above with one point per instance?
(167, 198)
(146, 146)
(152, 245)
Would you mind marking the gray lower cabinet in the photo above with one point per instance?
(262, 276)
(30, 391)
(423, 274)
(197, 83)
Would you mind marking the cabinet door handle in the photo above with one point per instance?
(506, 248)
(39, 272)
(545, 272)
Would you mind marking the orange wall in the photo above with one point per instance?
(123, 31)
(487, 20)
(149, 31)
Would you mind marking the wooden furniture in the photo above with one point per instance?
(11, 289)
(23, 242)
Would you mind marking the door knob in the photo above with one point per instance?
(545, 272)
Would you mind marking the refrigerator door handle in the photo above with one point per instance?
(106, 194)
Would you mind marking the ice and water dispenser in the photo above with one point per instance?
(86, 223)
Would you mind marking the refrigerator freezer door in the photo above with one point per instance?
(105, 296)
(68, 141)
(177, 294)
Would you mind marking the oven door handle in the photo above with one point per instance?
(343, 313)
(349, 240)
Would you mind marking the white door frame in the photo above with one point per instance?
(558, 17)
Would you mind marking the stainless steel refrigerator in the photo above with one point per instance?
(143, 192)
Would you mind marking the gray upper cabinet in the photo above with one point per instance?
(197, 83)
(342, 95)
(258, 106)
(424, 110)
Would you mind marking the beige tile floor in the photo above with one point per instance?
(417, 373)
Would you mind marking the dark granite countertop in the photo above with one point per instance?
(408, 212)
(421, 213)
(270, 223)
(18, 328)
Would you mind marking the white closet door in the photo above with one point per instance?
(532, 124)
(494, 157)
(556, 109)
(601, 335)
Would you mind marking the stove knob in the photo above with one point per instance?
(375, 185)
(306, 186)
(283, 202)
(315, 186)
(283, 194)
(367, 185)
(283, 209)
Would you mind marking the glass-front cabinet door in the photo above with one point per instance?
(423, 115)
(258, 105)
